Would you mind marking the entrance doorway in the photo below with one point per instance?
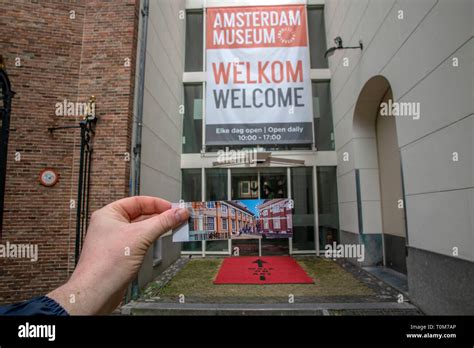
(260, 183)
(245, 185)
(312, 188)
(274, 185)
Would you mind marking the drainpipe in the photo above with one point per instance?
(138, 124)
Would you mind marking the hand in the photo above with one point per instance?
(117, 239)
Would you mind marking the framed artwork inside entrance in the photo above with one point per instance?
(248, 189)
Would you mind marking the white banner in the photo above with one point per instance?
(258, 76)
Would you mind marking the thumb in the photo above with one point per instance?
(154, 227)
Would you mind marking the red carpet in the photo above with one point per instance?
(261, 270)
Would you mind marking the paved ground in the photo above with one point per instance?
(340, 289)
(324, 309)
(394, 279)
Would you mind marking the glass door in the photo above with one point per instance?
(266, 184)
(274, 185)
(216, 190)
(244, 185)
(191, 192)
(302, 191)
(328, 213)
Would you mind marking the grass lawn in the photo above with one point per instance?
(195, 280)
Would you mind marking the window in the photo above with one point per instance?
(200, 220)
(232, 211)
(191, 185)
(233, 225)
(211, 224)
(195, 35)
(210, 205)
(224, 208)
(317, 37)
(216, 184)
(276, 223)
(322, 114)
(224, 223)
(192, 121)
(194, 41)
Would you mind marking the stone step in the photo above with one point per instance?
(155, 308)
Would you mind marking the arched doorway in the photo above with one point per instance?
(6, 95)
(386, 176)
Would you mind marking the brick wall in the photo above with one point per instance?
(62, 58)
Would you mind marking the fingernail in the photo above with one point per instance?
(181, 215)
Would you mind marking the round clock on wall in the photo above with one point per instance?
(48, 177)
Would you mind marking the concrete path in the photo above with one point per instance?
(381, 308)
(394, 279)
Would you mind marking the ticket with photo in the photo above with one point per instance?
(238, 219)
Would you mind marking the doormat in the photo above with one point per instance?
(261, 270)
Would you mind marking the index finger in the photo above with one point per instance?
(133, 207)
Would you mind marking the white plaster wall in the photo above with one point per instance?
(161, 131)
(415, 55)
(162, 123)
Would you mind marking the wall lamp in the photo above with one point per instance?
(340, 46)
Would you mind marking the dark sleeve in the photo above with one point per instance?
(36, 306)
